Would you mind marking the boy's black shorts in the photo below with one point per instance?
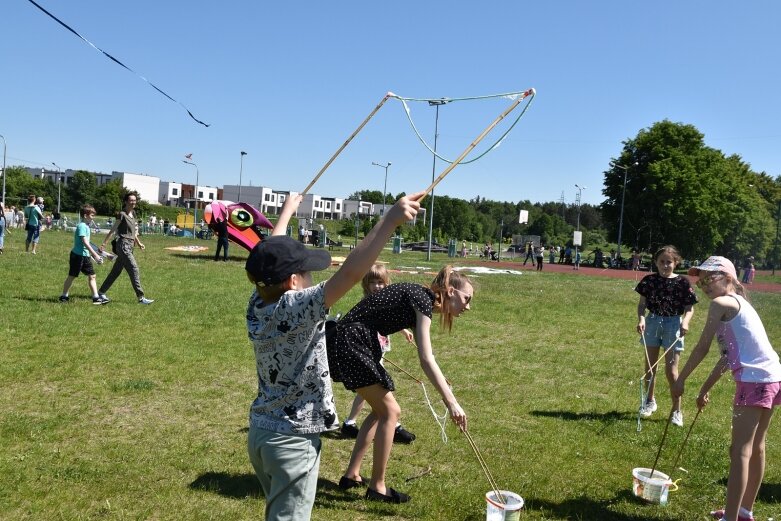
(79, 264)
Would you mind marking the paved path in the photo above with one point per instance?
(595, 272)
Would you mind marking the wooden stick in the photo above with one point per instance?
(491, 482)
(333, 157)
(678, 457)
(530, 92)
(659, 452)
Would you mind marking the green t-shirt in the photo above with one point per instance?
(82, 230)
(33, 214)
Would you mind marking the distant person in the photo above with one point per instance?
(3, 227)
(539, 254)
(670, 300)
(748, 353)
(635, 260)
(80, 257)
(552, 255)
(285, 322)
(220, 226)
(34, 216)
(463, 249)
(376, 279)
(126, 230)
(529, 253)
(748, 271)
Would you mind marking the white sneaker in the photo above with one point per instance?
(677, 418)
(648, 409)
(144, 300)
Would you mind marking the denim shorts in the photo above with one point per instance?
(663, 331)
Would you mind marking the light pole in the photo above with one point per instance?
(1, 136)
(385, 187)
(433, 103)
(621, 218)
(59, 180)
(195, 192)
(577, 201)
(241, 168)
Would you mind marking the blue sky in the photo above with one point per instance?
(288, 82)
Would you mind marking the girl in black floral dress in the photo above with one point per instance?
(355, 355)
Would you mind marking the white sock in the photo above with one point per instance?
(745, 513)
(349, 422)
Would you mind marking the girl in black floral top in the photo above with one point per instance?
(354, 359)
(669, 299)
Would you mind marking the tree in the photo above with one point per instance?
(684, 193)
(108, 198)
(82, 189)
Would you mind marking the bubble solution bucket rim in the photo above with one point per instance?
(653, 490)
(513, 502)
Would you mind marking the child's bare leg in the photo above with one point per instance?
(93, 286)
(362, 442)
(756, 464)
(386, 411)
(745, 423)
(653, 355)
(66, 287)
(671, 371)
(355, 410)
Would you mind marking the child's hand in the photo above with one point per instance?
(702, 400)
(458, 415)
(405, 208)
(641, 325)
(408, 335)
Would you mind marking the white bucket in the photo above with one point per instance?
(510, 510)
(653, 490)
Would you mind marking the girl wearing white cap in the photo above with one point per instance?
(746, 350)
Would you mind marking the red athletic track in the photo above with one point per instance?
(594, 272)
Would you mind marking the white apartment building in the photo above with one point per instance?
(147, 186)
(319, 207)
(170, 193)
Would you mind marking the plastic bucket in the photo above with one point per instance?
(653, 490)
(510, 510)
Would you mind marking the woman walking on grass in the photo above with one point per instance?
(126, 230)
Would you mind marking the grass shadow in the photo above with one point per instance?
(770, 493)
(610, 416)
(585, 508)
(237, 486)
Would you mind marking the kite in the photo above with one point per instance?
(244, 222)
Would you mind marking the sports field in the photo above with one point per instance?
(126, 412)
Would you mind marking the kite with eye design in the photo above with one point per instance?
(244, 222)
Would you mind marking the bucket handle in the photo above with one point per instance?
(672, 484)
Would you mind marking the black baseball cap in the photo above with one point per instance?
(278, 257)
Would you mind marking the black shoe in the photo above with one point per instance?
(350, 430)
(64, 298)
(402, 435)
(346, 483)
(391, 497)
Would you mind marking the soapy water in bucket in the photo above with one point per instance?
(506, 508)
(653, 490)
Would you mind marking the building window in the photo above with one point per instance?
(174, 191)
(200, 195)
(267, 197)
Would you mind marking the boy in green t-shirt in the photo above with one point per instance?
(80, 257)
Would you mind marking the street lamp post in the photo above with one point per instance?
(385, 186)
(3, 138)
(195, 192)
(577, 201)
(59, 182)
(241, 168)
(621, 218)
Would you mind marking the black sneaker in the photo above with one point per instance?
(98, 301)
(402, 435)
(350, 430)
(64, 298)
(392, 496)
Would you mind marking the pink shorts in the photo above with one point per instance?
(752, 394)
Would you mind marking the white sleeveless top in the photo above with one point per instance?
(748, 349)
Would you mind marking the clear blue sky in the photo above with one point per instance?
(288, 82)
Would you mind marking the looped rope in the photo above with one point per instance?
(511, 95)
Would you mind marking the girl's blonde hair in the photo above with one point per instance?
(672, 250)
(376, 272)
(446, 279)
(739, 288)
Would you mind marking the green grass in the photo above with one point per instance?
(125, 412)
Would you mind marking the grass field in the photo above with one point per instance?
(126, 412)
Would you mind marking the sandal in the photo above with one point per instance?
(346, 483)
(392, 497)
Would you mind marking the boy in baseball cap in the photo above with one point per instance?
(285, 321)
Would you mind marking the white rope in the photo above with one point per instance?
(441, 420)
